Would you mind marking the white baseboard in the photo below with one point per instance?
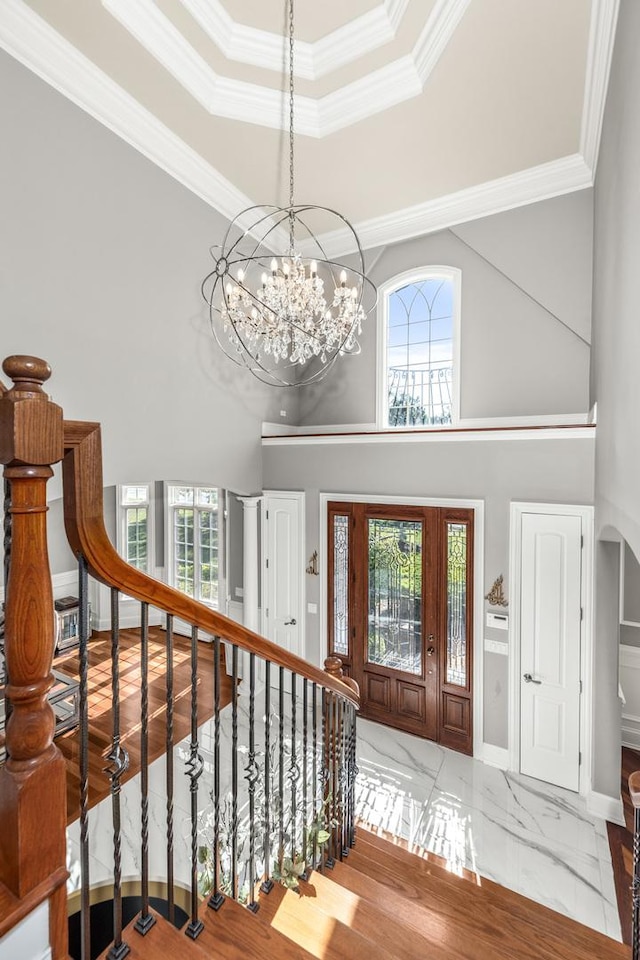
(606, 807)
(494, 756)
(631, 731)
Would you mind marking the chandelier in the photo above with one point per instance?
(278, 304)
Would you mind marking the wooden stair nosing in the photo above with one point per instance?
(446, 932)
(308, 912)
(234, 933)
(428, 882)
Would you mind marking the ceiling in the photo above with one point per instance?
(411, 115)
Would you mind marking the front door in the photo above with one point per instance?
(399, 591)
(550, 631)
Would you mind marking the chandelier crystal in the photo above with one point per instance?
(277, 303)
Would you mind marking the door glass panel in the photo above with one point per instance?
(341, 585)
(457, 603)
(395, 594)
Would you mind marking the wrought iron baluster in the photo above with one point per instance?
(194, 770)
(267, 884)
(281, 800)
(343, 780)
(234, 773)
(294, 769)
(314, 772)
(119, 761)
(216, 899)
(329, 773)
(169, 771)
(634, 793)
(305, 726)
(353, 773)
(252, 776)
(83, 716)
(146, 919)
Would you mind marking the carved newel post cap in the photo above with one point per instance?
(333, 666)
(31, 429)
(28, 373)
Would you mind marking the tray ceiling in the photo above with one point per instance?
(410, 113)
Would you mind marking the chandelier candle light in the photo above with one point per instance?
(287, 316)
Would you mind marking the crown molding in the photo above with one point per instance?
(397, 81)
(602, 34)
(495, 196)
(261, 48)
(32, 41)
(436, 34)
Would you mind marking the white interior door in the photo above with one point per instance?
(282, 541)
(550, 632)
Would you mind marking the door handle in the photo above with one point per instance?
(290, 623)
(529, 679)
(431, 651)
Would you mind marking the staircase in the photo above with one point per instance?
(382, 902)
(273, 772)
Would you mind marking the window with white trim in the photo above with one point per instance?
(135, 525)
(418, 344)
(193, 539)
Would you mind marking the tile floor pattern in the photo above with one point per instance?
(526, 835)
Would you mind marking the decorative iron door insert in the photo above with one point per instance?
(400, 587)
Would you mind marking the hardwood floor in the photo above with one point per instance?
(383, 903)
(100, 705)
(621, 845)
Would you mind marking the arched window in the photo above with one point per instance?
(418, 344)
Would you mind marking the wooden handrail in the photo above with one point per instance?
(84, 522)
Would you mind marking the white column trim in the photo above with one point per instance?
(250, 561)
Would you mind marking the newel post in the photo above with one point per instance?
(32, 781)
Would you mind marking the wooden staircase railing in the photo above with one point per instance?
(287, 795)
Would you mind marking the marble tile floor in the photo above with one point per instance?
(526, 835)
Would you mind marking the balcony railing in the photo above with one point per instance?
(420, 397)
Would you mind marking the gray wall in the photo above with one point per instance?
(615, 383)
(495, 471)
(101, 259)
(526, 315)
(615, 379)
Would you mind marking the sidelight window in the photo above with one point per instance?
(457, 565)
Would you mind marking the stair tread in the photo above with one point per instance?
(329, 930)
(438, 890)
(357, 910)
(163, 940)
(233, 932)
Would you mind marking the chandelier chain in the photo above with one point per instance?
(287, 315)
(291, 130)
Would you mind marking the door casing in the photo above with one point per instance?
(478, 580)
(586, 654)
